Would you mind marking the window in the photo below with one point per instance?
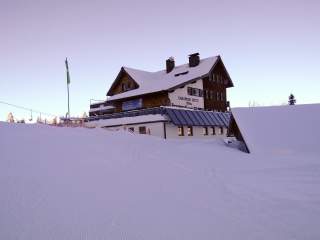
(213, 131)
(189, 90)
(205, 131)
(182, 73)
(221, 96)
(190, 131)
(211, 95)
(180, 131)
(131, 129)
(195, 92)
(125, 86)
(221, 130)
(218, 96)
(213, 76)
(142, 130)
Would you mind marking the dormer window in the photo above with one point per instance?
(182, 73)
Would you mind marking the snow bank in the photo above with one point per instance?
(73, 183)
(280, 129)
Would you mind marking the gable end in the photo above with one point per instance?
(123, 79)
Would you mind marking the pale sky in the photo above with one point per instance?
(270, 48)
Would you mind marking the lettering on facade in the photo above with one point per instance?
(188, 100)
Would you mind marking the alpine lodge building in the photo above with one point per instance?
(188, 100)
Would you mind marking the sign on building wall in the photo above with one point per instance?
(181, 97)
(132, 104)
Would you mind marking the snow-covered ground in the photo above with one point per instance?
(64, 183)
(280, 129)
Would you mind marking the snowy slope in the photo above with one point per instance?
(281, 129)
(63, 183)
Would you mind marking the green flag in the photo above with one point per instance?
(68, 75)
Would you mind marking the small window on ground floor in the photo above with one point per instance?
(221, 130)
(180, 131)
(142, 130)
(213, 131)
(205, 131)
(190, 131)
(131, 129)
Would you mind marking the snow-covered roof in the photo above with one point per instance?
(150, 82)
(280, 129)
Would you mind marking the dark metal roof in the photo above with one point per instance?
(179, 117)
(184, 117)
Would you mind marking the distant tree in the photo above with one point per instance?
(292, 99)
(10, 118)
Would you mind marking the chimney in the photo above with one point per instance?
(194, 59)
(170, 64)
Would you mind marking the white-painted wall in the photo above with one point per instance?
(180, 97)
(198, 132)
(155, 129)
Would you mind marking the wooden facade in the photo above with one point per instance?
(148, 101)
(215, 89)
(122, 84)
(156, 100)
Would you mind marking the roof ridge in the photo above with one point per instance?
(185, 64)
(181, 65)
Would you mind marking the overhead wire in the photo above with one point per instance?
(28, 109)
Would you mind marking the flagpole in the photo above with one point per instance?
(68, 82)
(68, 101)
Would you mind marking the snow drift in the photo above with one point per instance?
(280, 129)
(63, 183)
